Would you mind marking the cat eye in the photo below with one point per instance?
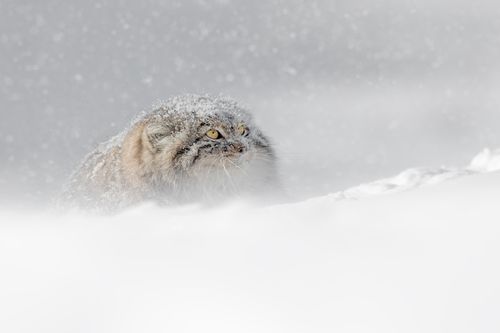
(213, 134)
(243, 130)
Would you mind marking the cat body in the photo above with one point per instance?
(191, 148)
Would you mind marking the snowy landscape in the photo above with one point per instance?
(385, 117)
(419, 260)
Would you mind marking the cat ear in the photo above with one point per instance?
(156, 134)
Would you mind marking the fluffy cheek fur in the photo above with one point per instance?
(216, 175)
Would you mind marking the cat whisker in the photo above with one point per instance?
(230, 178)
(237, 166)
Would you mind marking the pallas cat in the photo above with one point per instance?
(190, 148)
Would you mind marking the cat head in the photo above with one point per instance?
(201, 143)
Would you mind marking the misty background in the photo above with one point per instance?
(349, 91)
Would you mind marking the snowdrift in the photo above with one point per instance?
(419, 260)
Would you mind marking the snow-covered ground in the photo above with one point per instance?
(422, 257)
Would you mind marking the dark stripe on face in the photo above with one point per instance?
(181, 152)
(195, 157)
(185, 150)
(261, 142)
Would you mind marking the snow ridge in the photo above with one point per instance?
(486, 161)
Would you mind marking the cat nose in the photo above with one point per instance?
(238, 147)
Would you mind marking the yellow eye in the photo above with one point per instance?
(243, 130)
(213, 134)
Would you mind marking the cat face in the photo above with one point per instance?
(209, 143)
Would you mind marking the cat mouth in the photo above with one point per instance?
(221, 158)
(234, 149)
